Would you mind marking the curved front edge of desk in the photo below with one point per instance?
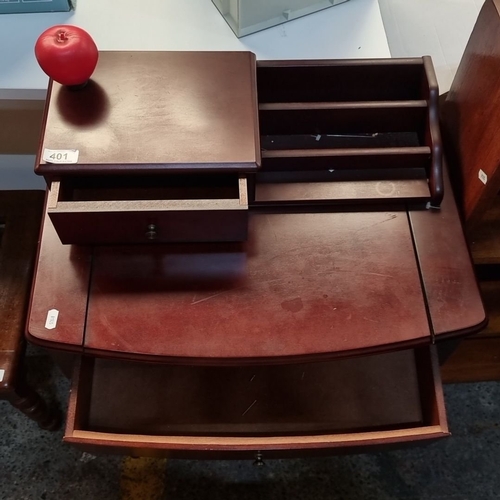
(256, 412)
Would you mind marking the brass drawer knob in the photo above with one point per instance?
(259, 460)
(151, 233)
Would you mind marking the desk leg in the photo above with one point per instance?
(446, 348)
(28, 401)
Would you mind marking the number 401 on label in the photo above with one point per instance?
(60, 155)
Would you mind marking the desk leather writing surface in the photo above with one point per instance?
(304, 285)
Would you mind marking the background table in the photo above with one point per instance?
(350, 30)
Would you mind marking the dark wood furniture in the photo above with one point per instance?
(315, 333)
(20, 216)
(471, 120)
(237, 340)
(166, 153)
(471, 124)
(172, 136)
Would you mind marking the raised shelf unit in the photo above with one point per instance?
(368, 122)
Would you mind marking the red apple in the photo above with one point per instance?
(67, 54)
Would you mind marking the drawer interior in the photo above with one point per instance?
(340, 81)
(149, 187)
(123, 209)
(391, 392)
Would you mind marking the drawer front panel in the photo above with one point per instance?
(150, 227)
(136, 408)
(160, 209)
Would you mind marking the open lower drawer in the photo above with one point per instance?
(138, 408)
(148, 209)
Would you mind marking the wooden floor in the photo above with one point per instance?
(478, 357)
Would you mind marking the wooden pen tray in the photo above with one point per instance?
(361, 134)
(145, 209)
(354, 132)
(207, 411)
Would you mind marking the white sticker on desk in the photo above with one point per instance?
(482, 176)
(2, 373)
(60, 155)
(51, 321)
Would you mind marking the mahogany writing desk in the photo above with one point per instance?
(311, 333)
(305, 290)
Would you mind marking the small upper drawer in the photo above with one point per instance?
(148, 209)
(278, 410)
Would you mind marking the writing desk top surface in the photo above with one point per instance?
(303, 287)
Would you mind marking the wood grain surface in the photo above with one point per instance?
(144, 111)
(259, 412)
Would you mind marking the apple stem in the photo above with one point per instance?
(62, 36)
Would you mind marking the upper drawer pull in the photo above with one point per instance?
(151, 233)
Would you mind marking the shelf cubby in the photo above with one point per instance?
(357, 117)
